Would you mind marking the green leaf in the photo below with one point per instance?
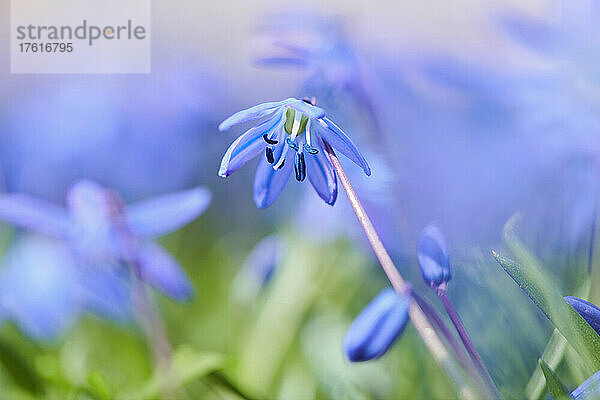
(555, 386)
(532, 278)
(98, 385)
(18, 368)
(553, 353)
(224, 381)
(186, 365)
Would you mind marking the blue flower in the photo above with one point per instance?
(258, 269)
(292, 137)
(433, 256)
(105, 243)
(377, 326)
(588, 311)
(589, 389)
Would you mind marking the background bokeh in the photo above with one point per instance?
(468, 113)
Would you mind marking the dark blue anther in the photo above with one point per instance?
(300, 167)
(269, 141)
(269, 154)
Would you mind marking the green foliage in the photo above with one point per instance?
(20, 371)
(535, 282)
(555, 386)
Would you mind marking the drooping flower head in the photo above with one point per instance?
(433, 257)
(377, 327)
(292, 137)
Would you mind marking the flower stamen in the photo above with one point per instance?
(300, 167)
(269, 141)
(269, 155)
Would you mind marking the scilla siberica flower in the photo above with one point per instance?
(103, 239)
(377, 327)
(292, 137)
(433, 256)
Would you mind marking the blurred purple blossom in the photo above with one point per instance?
(321, 48)
(258, 269)
(103, 244)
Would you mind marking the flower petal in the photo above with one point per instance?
(160, 270)
(34, 214)
(106, 291)
(332, 134)
(321, 173)
(268, 182)
(38, 287)
(249, 145)
(165, 214)
(309, 110)
(253, 113)
(377, 326)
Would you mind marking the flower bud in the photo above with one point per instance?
(588, 311)
(377, 327)
(433, 256)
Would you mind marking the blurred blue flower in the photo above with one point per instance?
(433, 256)
(318, 45)
(258, 269)
(589, 389)
(588, 311)
(106, 242)
(295, 131)
(377, 326)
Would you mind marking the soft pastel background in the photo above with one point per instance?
(468, 112)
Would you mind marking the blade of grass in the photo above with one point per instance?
(555, 386)
(532, 278)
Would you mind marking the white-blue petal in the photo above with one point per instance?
(311, 111)
(249, 145)
(268, 182)
(253, 113)
(332, 134)
(321, 173)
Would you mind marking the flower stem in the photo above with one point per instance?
(154, 330)
(420, 321)
(441, 326)
(466, 339)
